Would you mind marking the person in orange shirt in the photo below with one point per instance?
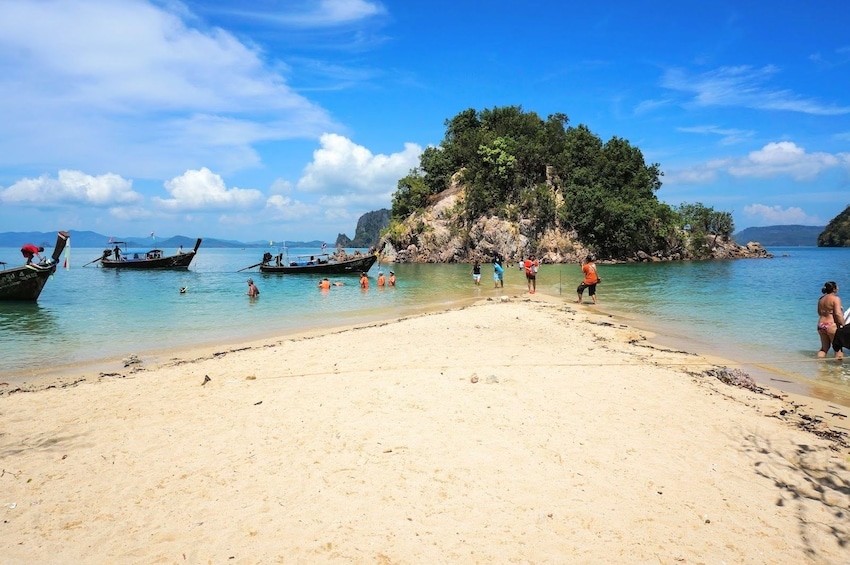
(591, 279)
(325, 284)
(364, 281)
(381, 280)
(531, 265)
(392, 278)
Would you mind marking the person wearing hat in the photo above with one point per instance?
(382, 280)
(29, 251)
(392, 278)
(253, 291)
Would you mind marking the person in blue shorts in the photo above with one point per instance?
(498, 273)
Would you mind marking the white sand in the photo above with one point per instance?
(506, 432)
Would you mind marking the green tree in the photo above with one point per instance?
(411, 194)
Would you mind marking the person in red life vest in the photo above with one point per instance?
(29, 251)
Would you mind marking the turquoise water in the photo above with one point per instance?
(760, 312)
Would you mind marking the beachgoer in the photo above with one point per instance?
(381, 279)
(392, 278)
(180, 250)
(476, 272)
(364, 281)
(325, 284)
(531, 265)
(830, 318)
(339, 283)
(29, 251)
(591, 279)
(253, 291)
(498, 273)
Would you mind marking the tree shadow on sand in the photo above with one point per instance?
(810, 481)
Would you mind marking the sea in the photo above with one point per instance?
(758, 313)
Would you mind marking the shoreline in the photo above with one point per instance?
(516, 429)
(767, 377)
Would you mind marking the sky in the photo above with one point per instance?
(288, 120)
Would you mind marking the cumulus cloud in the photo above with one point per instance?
(786, 158)
(776, 159)
(347, 173)
(203, 190)
(72, 187)
(281, 207)
(776, 215)
(138, 86)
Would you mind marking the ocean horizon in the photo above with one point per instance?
(760, 313)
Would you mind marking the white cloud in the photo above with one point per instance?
(133, 86)
(786, 158)
(776, 159)
(203, 190)
(324, 13)
(729, 136)
(773, 215)
(279, 207)
(347, 173)
(744, 86)
(72, 187)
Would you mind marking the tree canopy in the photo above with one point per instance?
(557, 175)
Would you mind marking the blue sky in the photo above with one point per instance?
(288, 120)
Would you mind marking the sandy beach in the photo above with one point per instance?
(511, 431)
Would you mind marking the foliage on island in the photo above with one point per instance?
(368, 230)
(506, 181)
(837, 232)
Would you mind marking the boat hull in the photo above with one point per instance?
(25, 283)
(350, 266)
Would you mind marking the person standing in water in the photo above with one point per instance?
(253, 291)
(830, 318)
(591, 279)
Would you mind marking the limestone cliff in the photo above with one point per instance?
(439, 234)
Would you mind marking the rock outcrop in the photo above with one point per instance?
(439, 234)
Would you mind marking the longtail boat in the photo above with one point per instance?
(148, 259)
(26, 282)
(321, 264)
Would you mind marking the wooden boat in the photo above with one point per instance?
(322, 264)
(147, 260)
(26, 282)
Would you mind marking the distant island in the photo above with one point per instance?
(781, 236)
(93, 239)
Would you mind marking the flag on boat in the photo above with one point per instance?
(324, 246)
(111, 239)
(67, 263)
(152, 236)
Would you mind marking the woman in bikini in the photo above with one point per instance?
(830, 318)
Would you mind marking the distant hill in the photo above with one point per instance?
(837, 232)
(94, 239)
(368, 230)
(780, 236)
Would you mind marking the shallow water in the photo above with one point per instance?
(760, 311)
